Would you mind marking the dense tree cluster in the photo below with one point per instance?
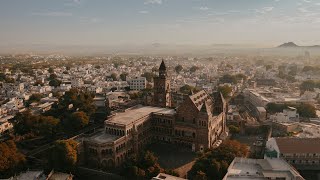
(148, 75)
(145, 166)
(11, 160)
(312, 69)
(72, 101)
(75, 108)
(304, 110)
(234, 129)
(77, 121)
(309, 85)
(63, 156)
(194, 69)
(25, 123)
(225, 90)
(5, 78)
(178, 68)
(53, 80)
(123, 76)
(268, 67)
(213, 164)
(187, 89)
(34, 98)
(232, 79)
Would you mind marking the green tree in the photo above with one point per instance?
(234, 129)
(80, 101)
(307, 110)
(178, 68)
(214, 162)
(308, 85)
(145, 166)
(227, 78)
(193, 69)
(50, 70)
(77, 121)
(225, 90)
(34, 98)
(48, 126)
(114, 76)
(63, 155)
(148, 75)
(54, 82)
(53, 76)
(187, 89)
(2, 77)
(39, 125)
(123, 76)
(268, 67)
(11, 160)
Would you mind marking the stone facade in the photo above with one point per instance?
(162, 89)
(195, 125)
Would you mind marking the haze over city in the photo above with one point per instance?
(160, 89)
(94, 23)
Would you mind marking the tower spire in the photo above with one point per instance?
(162, 65)
(162, 69)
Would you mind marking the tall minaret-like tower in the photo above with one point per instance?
(162, 96)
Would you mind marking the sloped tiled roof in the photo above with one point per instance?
(298, 145)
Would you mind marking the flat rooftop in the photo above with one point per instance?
(102, 137)
(137, 112)
(258, 169)
(31, 175)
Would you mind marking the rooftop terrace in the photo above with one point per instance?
(137, 112)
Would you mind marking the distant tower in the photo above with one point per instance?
(162, 96)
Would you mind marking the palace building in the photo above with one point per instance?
(196, 124)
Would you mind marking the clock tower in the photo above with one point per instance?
(162, 96)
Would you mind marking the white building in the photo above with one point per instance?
(138, 83)
(259, 169)
(288, 114)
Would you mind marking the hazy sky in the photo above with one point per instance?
(105, 22)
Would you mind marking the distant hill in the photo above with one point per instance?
(288, 44)
(293, 45)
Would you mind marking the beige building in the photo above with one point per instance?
(303, 153)
(195, 125)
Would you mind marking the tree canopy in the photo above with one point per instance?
(26, 122)
(148, 75)
(187, 89)
(123, 76)
(225, 90)
(304, 110)
(309, 85)
(232, 79)
(77, 121)
(193, 69)
(178, 68)
(34, 98)
(63, 155)
(11, 160)
(145, 166)
(213, 164)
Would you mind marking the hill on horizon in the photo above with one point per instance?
(293, 45)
